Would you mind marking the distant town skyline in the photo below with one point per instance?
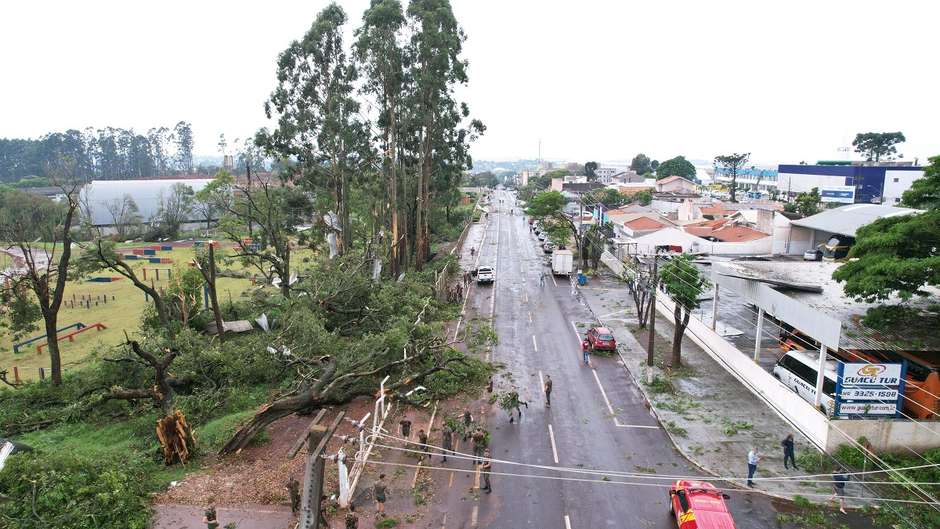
(788, 83)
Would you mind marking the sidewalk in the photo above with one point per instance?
(710, 417)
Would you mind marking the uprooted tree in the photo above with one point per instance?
(337, 379)
(174, 434)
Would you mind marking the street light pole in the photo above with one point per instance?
(652, 319)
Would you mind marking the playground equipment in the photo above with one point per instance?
(102, 279)
(168, 272)
(16, 346)
(71, 336)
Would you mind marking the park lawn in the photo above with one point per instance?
(122, 312)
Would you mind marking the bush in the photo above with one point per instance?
(65, 492)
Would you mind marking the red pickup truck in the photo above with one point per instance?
(699, 505)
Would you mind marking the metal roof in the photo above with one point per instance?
(846, 220)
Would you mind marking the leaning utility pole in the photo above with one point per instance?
(652, 318)
(318, 437)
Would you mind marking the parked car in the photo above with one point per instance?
(699, 505)
(485, 274)
(542, 237)
(812, 255)
(601, 339)
(548, 247)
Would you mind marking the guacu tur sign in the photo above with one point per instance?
(869, 390)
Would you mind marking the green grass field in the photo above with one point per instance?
(122, 312)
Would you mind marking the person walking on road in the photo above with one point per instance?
(789, 453)
(379, 490)
(752, 460)
(447, 442)
(542, 279)
(423, 440)
(467, 423)
(352, 519)
(485, 469)
(211, 519)
(586, 351)
(293, 490)
(479, 443)
(548, 391)
(839, 480)
(515, 406)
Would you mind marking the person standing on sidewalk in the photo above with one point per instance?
(548, 391)
(839, 480)
(789, 452)
(752, 460)
(447, 442)
(485, 471)
(379, 490)
(293, 490)
(423, 440)
(586, 351)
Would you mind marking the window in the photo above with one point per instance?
(896, 180)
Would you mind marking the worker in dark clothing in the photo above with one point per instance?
(548, 391)
(479, 443)
(447, 441)
(423, 440)
(211, 519)
(789, 452)
(324, 503)
(485, 472)
(352, 519)
(293, 490)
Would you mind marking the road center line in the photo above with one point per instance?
(541, 382)
(553, 279)
(535, 345)
(444, 521)
(603, 394)
(551, 435)
(567, 521)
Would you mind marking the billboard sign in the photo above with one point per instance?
(864, 389)
(842, 194)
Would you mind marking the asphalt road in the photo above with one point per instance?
(597, 420)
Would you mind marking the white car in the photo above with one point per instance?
(485, 274)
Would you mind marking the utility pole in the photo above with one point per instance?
(318, 437)
(248, 172)
(652, 318)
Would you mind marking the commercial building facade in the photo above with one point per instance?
(866, 184)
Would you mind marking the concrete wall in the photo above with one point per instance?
(885, 435)
(757, 247)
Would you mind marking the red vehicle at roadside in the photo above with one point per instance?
(601, 339)
(699, 505)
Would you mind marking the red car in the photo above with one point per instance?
(699, 505)
(601, 339)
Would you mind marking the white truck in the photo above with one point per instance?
(562, 261)
(485, 274)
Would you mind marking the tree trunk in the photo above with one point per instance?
(55, 358)
(678, 332)
(285, 274)
(213, 296)
(422, 245)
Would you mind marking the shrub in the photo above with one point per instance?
(65, 492)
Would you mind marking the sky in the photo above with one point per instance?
(787, 81)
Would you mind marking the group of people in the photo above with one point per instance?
(839, 477)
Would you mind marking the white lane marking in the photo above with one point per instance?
(525, 297)
(473, 515)
(567, 521)
(457, 329)
(603, 393)
(618, 425)
(577, 335)
(551, 435)
(535, 345)
(444, 521)
(530, 317)
(553, 280)
(541, 382)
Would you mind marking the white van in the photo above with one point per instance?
(797, 370)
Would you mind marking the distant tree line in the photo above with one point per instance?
(105, 154)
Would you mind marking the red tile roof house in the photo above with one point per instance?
(675, 184)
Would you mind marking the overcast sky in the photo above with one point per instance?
(786, 80)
